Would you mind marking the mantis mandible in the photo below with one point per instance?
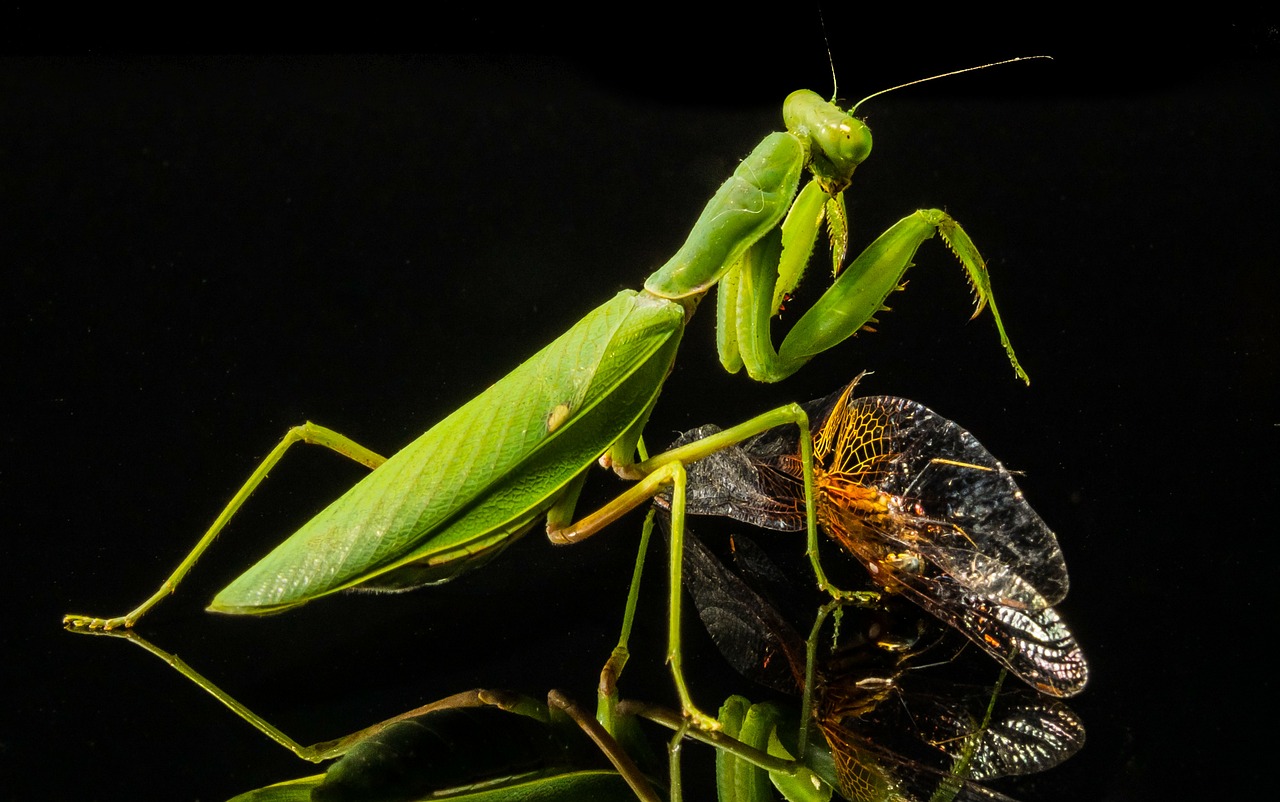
(519, 453)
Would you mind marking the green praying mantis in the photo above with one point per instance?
(520, 452)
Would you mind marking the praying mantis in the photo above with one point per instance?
(521, 451)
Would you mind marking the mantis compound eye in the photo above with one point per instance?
(838, 142)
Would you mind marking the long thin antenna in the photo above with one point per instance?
(944, 75)
(826, 40)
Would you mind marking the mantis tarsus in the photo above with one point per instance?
(520, 452)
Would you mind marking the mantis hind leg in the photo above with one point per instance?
(668, 474)
(306, 433)
(607, 691)
(479, 698)
(667, 470)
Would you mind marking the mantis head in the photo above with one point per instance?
(837, 141)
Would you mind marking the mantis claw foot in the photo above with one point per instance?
(702, 721)
(857, 598)
(80, 623)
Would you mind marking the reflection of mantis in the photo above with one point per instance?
(985, 735)
(496, 746)
(490, 746)
(520, 452)
(926, 509)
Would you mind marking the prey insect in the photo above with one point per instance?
(925, 508)
(520, 452)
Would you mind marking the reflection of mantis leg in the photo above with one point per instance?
(607, 743)
(514, 704)
(974, 740)
(607, 693)
(811, 661)
(306, 433)
(750, 742)
(950, 785)
(315, 752)
(667, 470)
(741, 744)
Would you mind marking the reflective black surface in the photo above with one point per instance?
(202, 252)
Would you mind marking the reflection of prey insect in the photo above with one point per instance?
(929, 513)
(862, 710)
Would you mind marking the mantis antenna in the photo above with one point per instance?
(935, 77)
(831, 62)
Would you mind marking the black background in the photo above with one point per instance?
(201, 251)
